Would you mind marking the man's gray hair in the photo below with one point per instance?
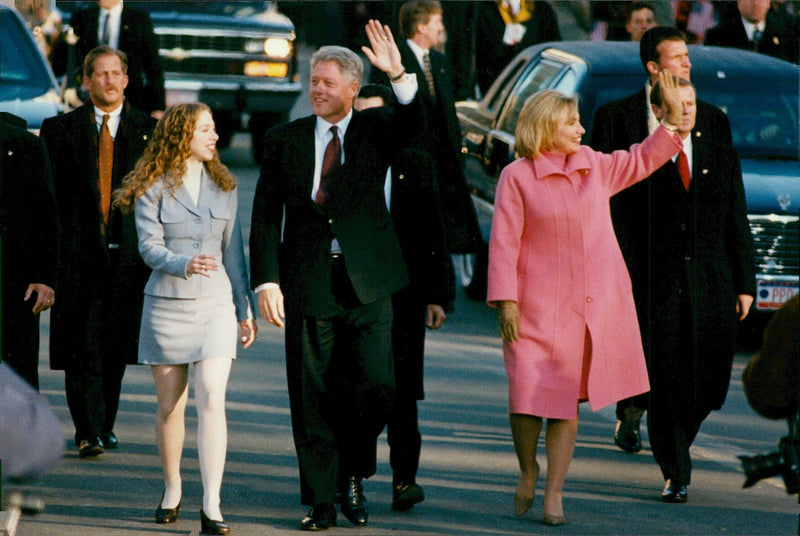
(349, 62)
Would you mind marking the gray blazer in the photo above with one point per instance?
(172, 230)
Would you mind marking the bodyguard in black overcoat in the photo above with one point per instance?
(95, 324)
(440, 134)
(336, 262)
(145, 90)
(29, 232)
(689, 254)
(620, 124)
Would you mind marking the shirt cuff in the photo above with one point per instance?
(265, 286)
(406, 89)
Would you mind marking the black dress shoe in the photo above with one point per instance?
(674, 493)
(90, 448)
(626, 435)
(405, 496)
(320, 517)
(354, 504)
(109, 440)
(166, 515)
(211, 526)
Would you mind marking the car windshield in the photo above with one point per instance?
(236, 9)
(23, 75)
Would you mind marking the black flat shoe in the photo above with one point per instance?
(674, 493)
(320, 517)
(627, 436)
(405, 496)
(90, 448)
(211, 526)
(166, 515)
(354, 504)
(109, 440)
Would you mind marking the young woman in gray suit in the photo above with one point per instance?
(185, 203)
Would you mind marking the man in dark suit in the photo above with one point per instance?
(95, 323)
(322, 237)
(413, 199)
(29, 232)
(687, 244)
(440, 135)
(620, 124)
(111, 23)
(759, 28)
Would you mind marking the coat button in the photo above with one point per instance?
(196, 245)
(683, 227)
(197, 219)
(687, 258)
(330, 221)
(588, 299)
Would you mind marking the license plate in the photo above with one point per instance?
(180, 96)
(771, 294)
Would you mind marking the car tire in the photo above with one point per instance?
(260, 123)
(474, 270)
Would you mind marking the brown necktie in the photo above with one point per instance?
(331, 161)
(105, 165)
(426, 60)
(683, 169)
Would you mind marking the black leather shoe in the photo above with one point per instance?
(405, 496)
(166, 515)
(90, 448)
(109, 440)
(320, 517)
(674, 493)
(354, 504)
(626, 435)
(211, 526)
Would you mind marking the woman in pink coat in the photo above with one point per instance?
(559, 281)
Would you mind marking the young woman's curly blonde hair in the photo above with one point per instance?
(165, 157)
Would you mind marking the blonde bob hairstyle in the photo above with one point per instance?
(539, 119)
(165, 157)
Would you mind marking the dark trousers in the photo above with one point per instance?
(408, 347)
(341, 384)
(671, 434)
(20, 332)
(93, 379)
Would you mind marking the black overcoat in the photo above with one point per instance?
(90, 263)
(689, 255)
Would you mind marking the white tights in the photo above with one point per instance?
(172, 391)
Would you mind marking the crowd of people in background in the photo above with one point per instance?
(151, 268)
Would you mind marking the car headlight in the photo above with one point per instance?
(277, 48)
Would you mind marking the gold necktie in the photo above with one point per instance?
(105, 165)
(426, 60)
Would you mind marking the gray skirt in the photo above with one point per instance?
(176, 331)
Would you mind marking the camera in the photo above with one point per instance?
(784, 462)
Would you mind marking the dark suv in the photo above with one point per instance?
(237, 57)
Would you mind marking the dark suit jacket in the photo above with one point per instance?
(145, 89)
(417, 219)
(290, 237)
(29, 232)
(689, 255)
(86, 262)
(780, 38)
(440, 135)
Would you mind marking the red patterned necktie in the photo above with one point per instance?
(683, 169)
(331, 161)
(105, 165)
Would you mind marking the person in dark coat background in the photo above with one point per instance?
(134, 36)
(620, 124)
(413, 201)
(759, 28)
(689, 253)
(95, 323)
(440, 135)
(29, 232)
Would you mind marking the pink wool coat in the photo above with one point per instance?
(554, 252)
